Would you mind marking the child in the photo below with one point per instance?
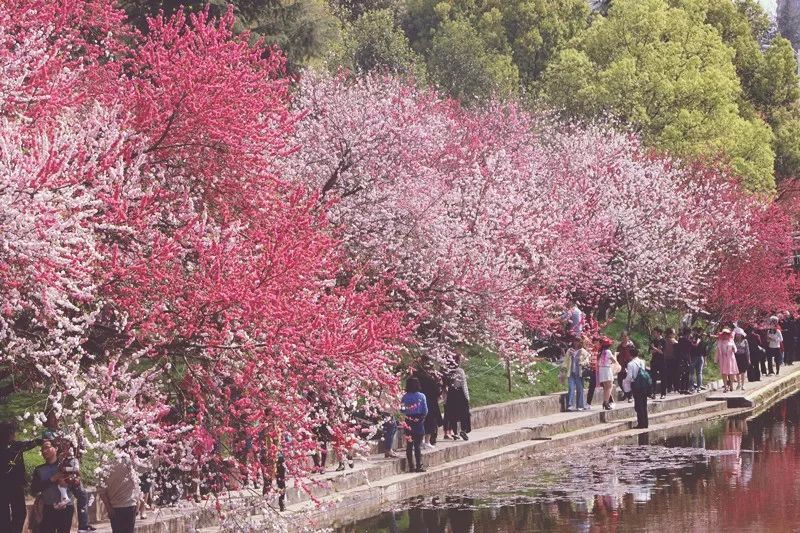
(69, 467)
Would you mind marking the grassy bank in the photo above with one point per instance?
(488, 382)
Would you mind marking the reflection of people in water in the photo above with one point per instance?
(732, 441)
(462, 520)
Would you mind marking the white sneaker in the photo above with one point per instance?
(426, 446)
(587, 408)
(571, 409)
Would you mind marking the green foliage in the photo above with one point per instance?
(666, 71)
(537, 30)
(304, 29)
(354, 9)
(488, 383)
(520, 35)
(776, 84)
(373, 42)
(787, 147)
(462, 64)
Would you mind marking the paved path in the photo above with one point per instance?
(374, 481)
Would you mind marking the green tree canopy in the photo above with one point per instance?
(529, 31)
(662, 68)
(461, 64)
(374, 41)
(304, 29)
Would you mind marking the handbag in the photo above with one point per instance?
(616, 368)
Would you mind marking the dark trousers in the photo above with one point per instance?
(12, 508)
(320, 457)
(123, 519)
(280, 475)
(640, 406)
(82, 502)
(415, 445)
(684, 380)
(433, 435)
(389, 431)
(774, 355)
(592, 385)
(657, 375)
(669, 376)
(57, 520)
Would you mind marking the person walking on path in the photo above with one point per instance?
(52, 432)
(605, 376)
(415, 408)
(699, 352)
(742, 356)
(670, 362)
(638, 388)
(572, 370)
(119, 490)
(45, 481)
(590, 373)
(757, 353)
(457, 406)
(432, 390)
(789, 331)
(726, 359)
(573, 319)
(12, 477)
(624, 356)
(774, 344)
(684, 360)
(656, 360)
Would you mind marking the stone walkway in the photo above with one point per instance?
(526, 426)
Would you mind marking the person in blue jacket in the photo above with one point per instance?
(415, 409)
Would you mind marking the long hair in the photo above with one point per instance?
(412, 385)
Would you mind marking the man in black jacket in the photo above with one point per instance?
(12, 478)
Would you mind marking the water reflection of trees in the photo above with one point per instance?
(756, 488)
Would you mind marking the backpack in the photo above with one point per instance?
(643, 381)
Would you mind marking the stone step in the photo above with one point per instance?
(676, 401)
(499, 414)
(459, 471)
(377, 470)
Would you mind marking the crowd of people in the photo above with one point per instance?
(677, 358)
(435, 397)
(57, 486)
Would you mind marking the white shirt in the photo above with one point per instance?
(121, 485)
(633, 370)
(775, 339)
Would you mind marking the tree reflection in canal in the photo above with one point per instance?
(732, 474)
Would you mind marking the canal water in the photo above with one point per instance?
(729, 474)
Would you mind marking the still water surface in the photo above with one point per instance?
(727, 475)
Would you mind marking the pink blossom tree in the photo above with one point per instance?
(671, 222)
(158, 274)
(757, 278)
(451, 202)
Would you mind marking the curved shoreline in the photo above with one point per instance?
(505, 436)
(671, 415)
